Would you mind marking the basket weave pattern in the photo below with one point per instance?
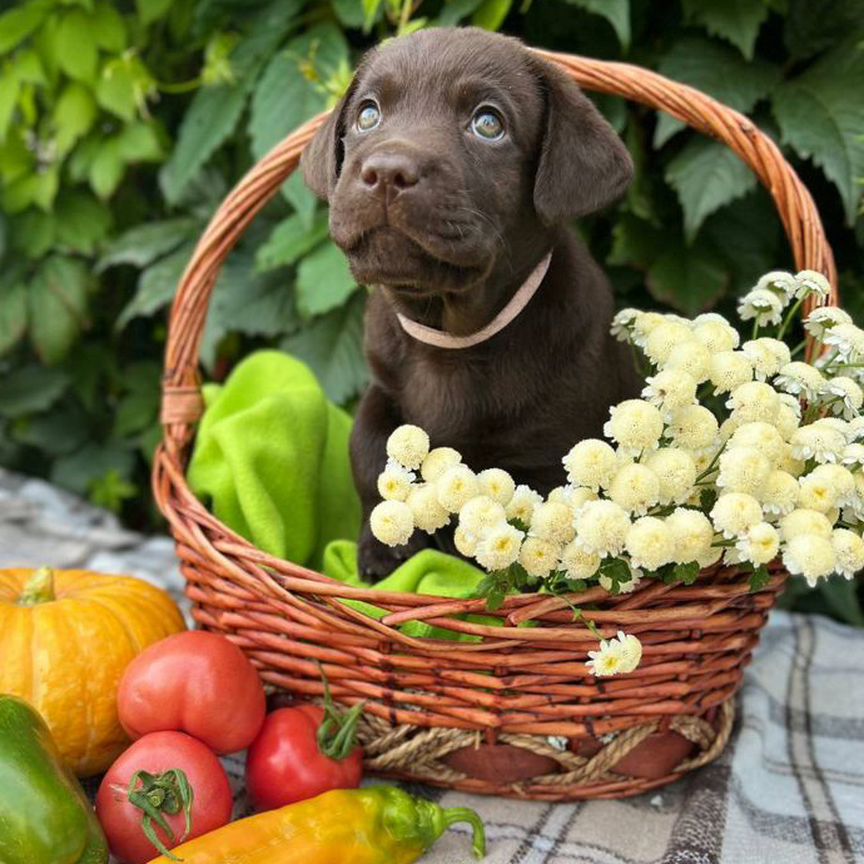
(519, 689)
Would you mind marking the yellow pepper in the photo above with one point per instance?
(380, 825)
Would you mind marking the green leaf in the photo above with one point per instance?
(38, 189)
(285, 97)
(490, 14)
(301, 198)
(717, 70)
(33, 233)
(690, 279)
(143, 244)
(29, 389)
(350, 13)
(687, 573)
(323, 281)
(106, 169)
(707, 176)
(81, 222)
(17, 24)
(635, 242)
(78, 471)
(58, 431)
(759, 578)
(57, 299)
(28, 68)
(152, 10)
(841, 597)
(821, 116)
(370, 12)
(455, 10)
(207, 123)
(332, 346)
(75, 44)
(108, 28)
(139, 405)
(737, 21)
(616, 12)
(156, 285)
(111, 491)
(116, 89)
(13, 315)
(139, 142)
(814, 26)
(74, 114)
(290, 240)
(8, 100)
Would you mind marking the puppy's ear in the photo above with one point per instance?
(321, 161)
(583, 165)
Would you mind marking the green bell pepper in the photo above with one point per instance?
(45, 817)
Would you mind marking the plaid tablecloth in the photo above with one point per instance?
(788, 790)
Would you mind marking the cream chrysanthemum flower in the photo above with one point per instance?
(590, 463)
(539, 557)
(729, 370)
(650, 543)
(676, 471)
(645, 324)
(781, 283)
(818, 441)
(392, 522)
(692, 358)
(394, 482)
(601, 527)
(787, 462)
(800, 379)
(779, 494)
(635, 425)
(848, 552)
(759, 544)
(829, 482)
(465, 541)
(803, 521)
(754, 402)
(787, 421)
(855, 430)
(623, 323)
(497, 484)
(636, 488)
(760, 436)
(456, 487)
(692, 534)
(438, 461)
(717, 335)
(853, 455)
(763, 305)
(573, 497)
(408, 445)
(429, 515)
(662, 339)
(844, 396)
(734, 512)
(553, 522)
(812, 283)
(499, 547)
(522, 505)
(810, 556)
(847, 340)
(577, 563)
(480, 514)
(628, 587)
(693, 427)
(670, 389)
(767, 356)
(743, 469)
(824, 318)
(616, 656)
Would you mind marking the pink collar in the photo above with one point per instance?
(442, 339)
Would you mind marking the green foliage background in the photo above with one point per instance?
(122, 125)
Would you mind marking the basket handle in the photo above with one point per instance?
(181, 400)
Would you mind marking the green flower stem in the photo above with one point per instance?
(790, 317)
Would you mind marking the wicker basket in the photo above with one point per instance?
(515, 712)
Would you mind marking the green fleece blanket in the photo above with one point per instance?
(271, 462)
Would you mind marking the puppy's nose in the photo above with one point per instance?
(385, 173)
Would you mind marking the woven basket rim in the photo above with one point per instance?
(181, 382)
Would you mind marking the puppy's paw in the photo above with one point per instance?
(376, 560)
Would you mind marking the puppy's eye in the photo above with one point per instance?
(487, 124)
(369, 116)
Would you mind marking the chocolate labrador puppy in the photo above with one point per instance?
(451, 167)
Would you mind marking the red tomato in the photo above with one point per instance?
(284, 763)
(156, 754)
(195, 682)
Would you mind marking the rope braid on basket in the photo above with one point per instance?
(516, 684)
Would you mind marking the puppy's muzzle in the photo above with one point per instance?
(388, 173)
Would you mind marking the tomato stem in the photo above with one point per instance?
(337, 734)
(158, 794)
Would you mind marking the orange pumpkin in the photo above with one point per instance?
(66, 636)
